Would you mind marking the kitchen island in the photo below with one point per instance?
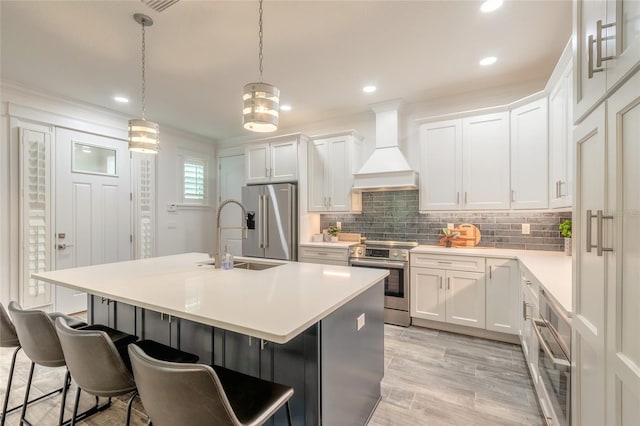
(318, 328)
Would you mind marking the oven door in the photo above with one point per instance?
(554, 368)
(396, 285)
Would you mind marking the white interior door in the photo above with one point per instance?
(93, 206)
(231, 180)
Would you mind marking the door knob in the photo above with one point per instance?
(62, 246)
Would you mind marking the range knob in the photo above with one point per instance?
(353, 251)
(359, 251)
(404, 255)
(394, 254)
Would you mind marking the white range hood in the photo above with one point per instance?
(386, 168)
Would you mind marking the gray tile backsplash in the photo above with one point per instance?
(393, 215)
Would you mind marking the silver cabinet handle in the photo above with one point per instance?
(465, 197)
(513, 195)
(590, 45)
(490, 272)
(260, 216)
(525, 305)
(324, 202)
(599, 38)
(329, 201)
(558, 190)
(458, 197)
(448, 283)
(588, 237)
(440, 281)
(442, 262)
(263, 343)
(62, 246)
(600, 217)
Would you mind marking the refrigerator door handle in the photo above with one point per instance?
(265, 222)
(260, 221)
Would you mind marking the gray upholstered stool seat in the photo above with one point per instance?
(9, 339)
(95, 364)
(195, 394)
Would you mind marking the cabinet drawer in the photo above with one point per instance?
(457, 263)
(328, 254)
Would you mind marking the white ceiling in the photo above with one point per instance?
(319, 53)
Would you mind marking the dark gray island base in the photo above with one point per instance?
(334, 368)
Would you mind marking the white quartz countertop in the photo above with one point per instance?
(274, 304)
(551, 269)
(339, 244)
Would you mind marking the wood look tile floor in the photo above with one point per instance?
(431, 378)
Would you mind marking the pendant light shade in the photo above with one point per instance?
(261, 105)
(261, 101)
(144, 135)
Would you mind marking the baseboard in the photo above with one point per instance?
(469, 331)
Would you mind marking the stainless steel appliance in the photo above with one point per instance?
(553, 330)
(394, 257)
(272, 221)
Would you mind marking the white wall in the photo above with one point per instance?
(194, 228)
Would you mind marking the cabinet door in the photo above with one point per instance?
(486, 161)
(590, 281)
(465, 298)
(589, 89)
(624, 43)
(529, 156)
(284, 162)
(257, 158)
(318, 165)
(428, 294)
(162, 328)
(339, 176)
(503, 296)
(99, 310)
(441, 165)
(242, 353)
(560, 152)
(623, 294)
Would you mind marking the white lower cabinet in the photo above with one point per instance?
(444, 294)
(503, 295)
(324, 255)
(528, 338)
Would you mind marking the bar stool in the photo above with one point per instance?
(197, 394)
(95, 365)
(9, 339)
(40, 342)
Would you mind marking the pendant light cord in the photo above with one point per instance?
(260, 37)
(143, 69)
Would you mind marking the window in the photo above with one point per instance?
(194, 187)
(93, 159)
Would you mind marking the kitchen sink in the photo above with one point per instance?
(246, 264)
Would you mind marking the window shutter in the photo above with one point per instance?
(144, 205)
(194, 181)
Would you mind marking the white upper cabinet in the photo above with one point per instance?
(607, 49)
(441, 165)
(333, 159)
(560, 147)
(275, 160)
(529, 156)
(485, 172)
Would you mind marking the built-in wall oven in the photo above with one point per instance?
(553, 330)
(394, 257)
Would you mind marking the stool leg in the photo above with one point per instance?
(75, 407)
(65, 386)
(23, 413)
(129, 404)
(6, 397)
(289, 414)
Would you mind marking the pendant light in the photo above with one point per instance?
(261, 100)
(144, 135)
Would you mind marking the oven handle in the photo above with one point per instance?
(379, 264)
(558, 363)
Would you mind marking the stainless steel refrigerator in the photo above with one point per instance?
(272, 221)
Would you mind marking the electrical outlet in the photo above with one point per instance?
(171, 207)
(339, 225)
(450, 225)
(360, 322)
(526, 229)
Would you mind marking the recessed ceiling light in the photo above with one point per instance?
(490, 5)
(369, 89)
(488, 61)
(121, 99)
(285, 107)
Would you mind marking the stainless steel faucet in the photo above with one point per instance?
(218, 256)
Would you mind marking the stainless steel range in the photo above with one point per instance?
(394, 257)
